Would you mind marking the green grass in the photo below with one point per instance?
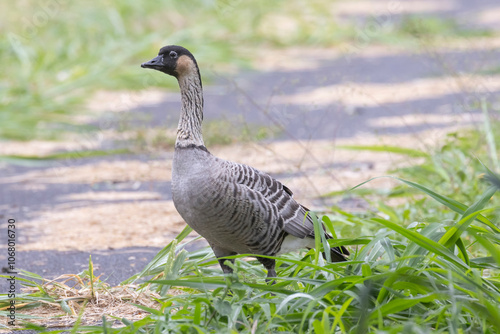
(59, 53)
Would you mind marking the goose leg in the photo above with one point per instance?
(221, 252)
(225, 268)
(269, 264)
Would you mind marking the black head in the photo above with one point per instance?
(173, 60)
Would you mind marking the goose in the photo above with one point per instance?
(236, 208)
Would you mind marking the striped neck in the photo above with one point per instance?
(189, 128)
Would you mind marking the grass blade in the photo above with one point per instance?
(423, 242)
(390, 149)
(449, 202)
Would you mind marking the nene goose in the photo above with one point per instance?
(236, 208)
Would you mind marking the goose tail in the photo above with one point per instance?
(339, 254)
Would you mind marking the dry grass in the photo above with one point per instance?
(71, 296)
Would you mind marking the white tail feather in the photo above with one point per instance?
(292, 243)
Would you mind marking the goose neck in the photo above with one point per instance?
(189, 129)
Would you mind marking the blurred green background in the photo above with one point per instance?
(56, 54)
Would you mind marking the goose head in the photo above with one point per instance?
(173, 60)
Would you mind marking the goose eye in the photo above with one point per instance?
(173, 54)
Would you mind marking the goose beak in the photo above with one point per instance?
(154, 63)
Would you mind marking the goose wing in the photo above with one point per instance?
(296, 220)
